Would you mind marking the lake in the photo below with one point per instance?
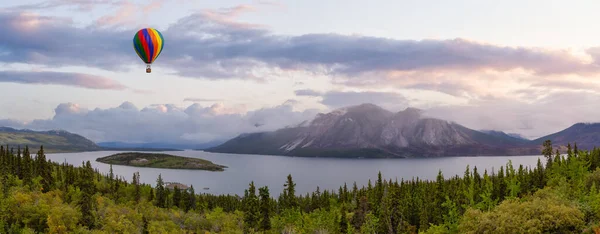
(307, 173)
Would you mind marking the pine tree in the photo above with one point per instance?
(176, 196)
(343, 220)
(265, 208)
(45, 171)
(192, 198)
(185, 200)
(27, 167)
(160, 192)
(88, 190)
(151, 195)
(547, 151)
(251, 208)
(136, 182)
(360, 213)
(290, 193)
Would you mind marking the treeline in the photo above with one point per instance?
(559, 195)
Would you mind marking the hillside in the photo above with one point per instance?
(368, 130)
(54, 141)
(587, 135)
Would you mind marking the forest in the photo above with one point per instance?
(560, 195)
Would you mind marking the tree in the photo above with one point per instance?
(290, 193)
(192, 202)
(88, 190)
(251, 208)
(547, 151)
(360, 213)
(176, 196)
(45, 171)
(161, 198)
(136, 182)
(343, 220)
(265, 208)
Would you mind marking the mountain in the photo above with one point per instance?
(53, 141)
(513, 137)
(368, 130)
(586, 135)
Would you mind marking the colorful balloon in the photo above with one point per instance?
(148, 43)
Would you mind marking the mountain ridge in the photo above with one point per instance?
(367, 130)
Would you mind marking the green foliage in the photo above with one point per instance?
(545, 212)
(38, 196)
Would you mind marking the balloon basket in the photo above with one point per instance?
(148, 69)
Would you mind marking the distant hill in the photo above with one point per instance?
(511, 137)
(53, 141)
(368, 130)
(586, 135)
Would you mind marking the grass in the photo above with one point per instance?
(159, 160)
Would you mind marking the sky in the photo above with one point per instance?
(230, 67)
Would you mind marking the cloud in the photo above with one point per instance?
(547, 114)
(307, 92)
(165, 122)
(79, 5)
(212, 44)
(388, 100)
(201, 100)
(61, 78)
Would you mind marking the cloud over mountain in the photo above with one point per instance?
(164, 122)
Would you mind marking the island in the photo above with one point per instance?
(160, 160)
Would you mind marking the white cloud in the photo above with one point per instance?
(166, 122)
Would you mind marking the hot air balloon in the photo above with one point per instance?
(148, 43)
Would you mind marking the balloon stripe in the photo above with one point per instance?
(149, 44)
(154, 43)
(158, 44)
(144, 45)
(162, 42)
(139, 48)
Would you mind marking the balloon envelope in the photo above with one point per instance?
(148, 43)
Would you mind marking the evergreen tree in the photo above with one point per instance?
(290, 193)
(251, 208)
(136, 182)
(265, 208)
(151, 195)
(176, 196)
(547, 150)
(88, 190)
(343, 220)
(44, 170)
(192, 199)
(360, 213)
(161, 198)
(27, 167)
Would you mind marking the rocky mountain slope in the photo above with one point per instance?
(368, 130)
(53, 141)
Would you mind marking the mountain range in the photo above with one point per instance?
(370, 131)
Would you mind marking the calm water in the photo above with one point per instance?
(308, 173)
